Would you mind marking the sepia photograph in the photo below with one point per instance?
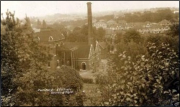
(90, 53)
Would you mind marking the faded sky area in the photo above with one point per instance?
(41, 8)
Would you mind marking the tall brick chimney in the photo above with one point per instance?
(89, 16)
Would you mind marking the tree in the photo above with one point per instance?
(19, 53)
(80, 34)
(100, 34)
(174, 30)
(157, 16)
(147, 81)
(119, 37)
(58, 81)
(132, 35)
(39, 25)
(44, 24)
(24, 69)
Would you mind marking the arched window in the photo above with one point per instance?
(50, 38)
(68, 63)
(83, 65)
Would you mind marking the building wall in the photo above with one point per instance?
(104, 53)
(53, 63)
(79, 62)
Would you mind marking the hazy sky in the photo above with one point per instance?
(41, 8)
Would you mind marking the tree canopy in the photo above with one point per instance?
(132, 35)
(150, 16)
(80, 34)
(24, 69)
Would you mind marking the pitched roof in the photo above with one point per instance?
(110, 22)
(103, 45)
(81, 49)
(122, 22)
(155, 26)
(100, 23)
(164, 21)
(36, 30)
(45, 35)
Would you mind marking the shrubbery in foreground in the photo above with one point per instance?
(150, 80)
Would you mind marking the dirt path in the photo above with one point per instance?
(92, 90)
(92, 94)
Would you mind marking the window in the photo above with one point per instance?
(58, 63)
(49, 65)
(62, 61)
(50, 38)
(83, 65)
(68, 63)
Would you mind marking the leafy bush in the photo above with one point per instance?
(132, 34)
(101, 76)
(64, 78)
(146, 81)
(131, 48)
(70, 78)
(88, 80)
(24, 70)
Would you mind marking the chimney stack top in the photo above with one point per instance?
(89, 3)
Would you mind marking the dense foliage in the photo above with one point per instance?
(24, 70)
(174, 30)
(63, 78)
(150, 16)
(132, 35)
(80, 34)
(143, 71)
(149, 80)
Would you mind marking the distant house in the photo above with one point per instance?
(70, 27)
(36, 30)
(101, 24)
(118, 15)
(176, 12)
(147, 24)
(164, 23)
(154, 28)
(122, 22)
(111, 23)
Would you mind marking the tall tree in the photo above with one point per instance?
(44, 24)
(132, 35)
(39, 24)
(174, 30)
(24, 69)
